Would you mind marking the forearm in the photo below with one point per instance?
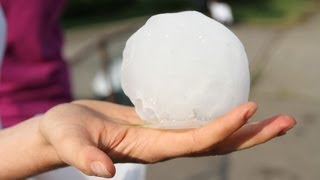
(24, 152)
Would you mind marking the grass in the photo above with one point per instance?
(271, 11)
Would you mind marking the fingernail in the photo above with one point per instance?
(282, 133)
(251, 111)
(99, 169)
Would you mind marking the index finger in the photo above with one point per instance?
(224, 126)
(191, 142)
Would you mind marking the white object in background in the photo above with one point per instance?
(221, 12)
(102, 85)
(2, 41)
(124, 172)
(2, 34)
(181, 70)
(108, 80)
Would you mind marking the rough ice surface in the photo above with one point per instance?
(183, 69)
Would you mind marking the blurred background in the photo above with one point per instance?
(282, 40)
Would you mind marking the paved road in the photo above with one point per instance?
(289, 83)
(285, 71)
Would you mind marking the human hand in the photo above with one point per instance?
(92, 135)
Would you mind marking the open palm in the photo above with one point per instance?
(92, 135)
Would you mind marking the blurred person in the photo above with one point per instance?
(34, 75)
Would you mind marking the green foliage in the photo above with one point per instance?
(268, 11)
(81, 12)
(91, 11)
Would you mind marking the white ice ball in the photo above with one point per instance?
(184, 69)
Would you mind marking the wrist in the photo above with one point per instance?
(25, 152)
(51, 158)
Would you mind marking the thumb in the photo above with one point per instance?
(85, 156)
(65, 128)
(93, 161)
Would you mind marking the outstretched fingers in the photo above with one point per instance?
(216, 131)
(177, 143)
(256, 133)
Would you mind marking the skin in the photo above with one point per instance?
(93, 135)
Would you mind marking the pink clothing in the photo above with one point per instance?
(34, 76)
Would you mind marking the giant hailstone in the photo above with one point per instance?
(183, 69)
